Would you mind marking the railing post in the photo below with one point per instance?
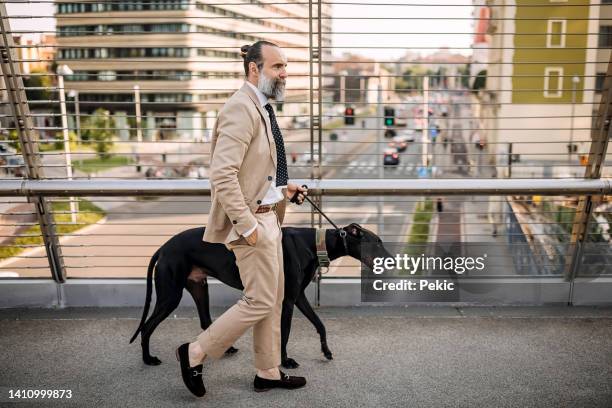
(316, 118)
(28, 140)
(600, 134)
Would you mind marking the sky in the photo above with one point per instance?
(429, 24)
(441, 23)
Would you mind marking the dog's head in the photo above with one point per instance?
(364, 245)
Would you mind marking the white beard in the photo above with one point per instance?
(271, 89)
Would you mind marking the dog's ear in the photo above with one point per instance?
(354, 230)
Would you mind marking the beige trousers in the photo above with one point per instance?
(263, 278)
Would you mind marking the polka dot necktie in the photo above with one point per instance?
(281, 168)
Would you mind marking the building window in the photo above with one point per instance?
(599, 81)
(107, 76)
(605, 36)
(555, 33)
(553, 82)
(94, 7)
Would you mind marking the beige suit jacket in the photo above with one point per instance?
(242, 166)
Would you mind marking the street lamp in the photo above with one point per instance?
(77, 112)
(575, 81)
(343, 75)
(380, 145)
(138, 113)
(61, 71)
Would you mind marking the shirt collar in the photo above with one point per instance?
(262, 98)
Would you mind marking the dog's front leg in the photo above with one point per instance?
(304, 306)
(286, 317)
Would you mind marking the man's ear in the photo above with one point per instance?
(253, 68)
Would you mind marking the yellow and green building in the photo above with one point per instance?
(542, 76)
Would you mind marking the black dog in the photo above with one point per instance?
(185, 261)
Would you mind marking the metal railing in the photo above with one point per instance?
(107, 143)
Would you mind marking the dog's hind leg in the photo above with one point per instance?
(304, 306)
(197, 286)
(163, 307)
(286, 317)
(199, 293)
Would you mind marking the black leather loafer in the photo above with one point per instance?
(286, 381)
(192, 376)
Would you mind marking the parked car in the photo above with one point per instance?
(400, 143)
(15, 166)
(390, 133)
(391, 157)
(301, 122)
(6, 149)
(196, 169)
(161, 172)
(407, 135)
(306, 159)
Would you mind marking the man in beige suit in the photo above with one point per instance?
(249, 188)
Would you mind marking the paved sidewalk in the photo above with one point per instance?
(383, 357)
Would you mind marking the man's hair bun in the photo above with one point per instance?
(243, 50)
(252, 53)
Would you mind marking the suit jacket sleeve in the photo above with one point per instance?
(235, 129)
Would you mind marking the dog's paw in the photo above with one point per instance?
(326, 352)
(290, 363)
(230, 351)
(152, 361)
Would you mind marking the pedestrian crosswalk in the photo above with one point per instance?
(370, 167)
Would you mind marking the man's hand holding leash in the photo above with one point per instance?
(298, 194)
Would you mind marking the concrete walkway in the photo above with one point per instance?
(383, 357)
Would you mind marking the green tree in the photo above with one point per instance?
(411, 80)
(98, 129)
(480, 82)
(38, 79)
(59, 142)
(14, 140)
(464, 74)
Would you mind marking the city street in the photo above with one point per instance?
(120, 245)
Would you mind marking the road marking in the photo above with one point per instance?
(63, 240)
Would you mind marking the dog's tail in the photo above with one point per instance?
(145, 312)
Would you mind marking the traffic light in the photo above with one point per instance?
(349, 116)
(389, 116)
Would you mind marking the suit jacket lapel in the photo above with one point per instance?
(266, 117)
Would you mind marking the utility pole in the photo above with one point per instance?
(424, 139)
(380, 150)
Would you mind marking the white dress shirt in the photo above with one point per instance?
(274, 193)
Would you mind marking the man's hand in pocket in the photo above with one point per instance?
(251, 239)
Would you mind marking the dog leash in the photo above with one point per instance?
(340, 230)
(294, 198)
(322, 255)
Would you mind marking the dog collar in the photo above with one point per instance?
(322, 254)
